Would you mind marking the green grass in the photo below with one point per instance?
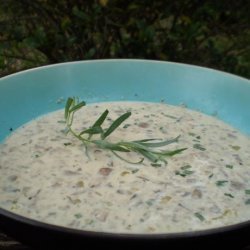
(214, 34)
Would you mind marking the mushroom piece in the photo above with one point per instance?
(105, 171)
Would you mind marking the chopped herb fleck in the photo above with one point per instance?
(229, 195)
(186, 167)
(221, 183)
(61, 121)
(198, 137)
(126, 125)
(192, 134)
(170, 116)
(74, 201)
(194, 140)
(78, 216)
(134, 171)
(210, 176)
(247, 191)
(67, 143)
(150, 202)
(229, 166)
(163, 130)
(236, 148)
(184, 171)
(247, 202)
(156, 165)
(199, 146)
(199, 216)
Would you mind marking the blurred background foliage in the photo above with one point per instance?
(209, 33)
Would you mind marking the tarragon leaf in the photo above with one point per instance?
(101, 119)
(77, 106)
(108, 145)
(67, 107)
(116, 124)
(171, 153)
(158, 144)
(92, 131)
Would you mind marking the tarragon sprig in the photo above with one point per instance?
(145, 147)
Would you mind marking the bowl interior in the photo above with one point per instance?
(26, 95)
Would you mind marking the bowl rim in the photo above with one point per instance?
(123, 235)
(126, 60)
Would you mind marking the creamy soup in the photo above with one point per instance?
(50, 176)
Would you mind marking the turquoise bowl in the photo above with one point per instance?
(31, 93)
(28, 94)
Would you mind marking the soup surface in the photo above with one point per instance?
(48, 175)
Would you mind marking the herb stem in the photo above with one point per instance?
(145, 147)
